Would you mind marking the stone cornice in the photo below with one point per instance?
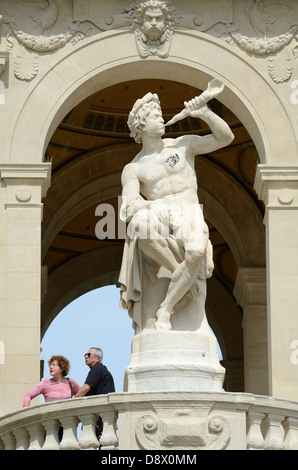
(20, 174)
(283, 180)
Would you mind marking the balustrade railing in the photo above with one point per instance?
(61, 425)
(272, 428)
(264, 423)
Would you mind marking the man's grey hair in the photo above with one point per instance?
(98, 352)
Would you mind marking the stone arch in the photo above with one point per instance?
(194, 58)
(75, 77)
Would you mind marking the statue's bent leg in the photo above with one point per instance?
(146, 226)
(158, 250)
(183, 279)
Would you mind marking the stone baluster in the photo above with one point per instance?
(22, 439)
(255, 440)
(88, 439)
(36, 432)
(273, 438)
(291, 433)
(69, 439)
(51, 439)
(9, 441)
(109, 439)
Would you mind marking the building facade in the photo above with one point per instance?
(70, 73)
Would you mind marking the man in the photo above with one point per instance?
(161, 180)
(99, 380)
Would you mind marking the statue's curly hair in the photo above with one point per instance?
(138, 114)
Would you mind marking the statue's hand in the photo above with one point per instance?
(195, 111)
(138, 205)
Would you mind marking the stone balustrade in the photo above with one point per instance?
(155, 421)
(37, 427)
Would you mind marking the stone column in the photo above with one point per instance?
(277, 186)
(250, 292)
(21, 192)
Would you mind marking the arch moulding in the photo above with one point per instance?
(194, 59)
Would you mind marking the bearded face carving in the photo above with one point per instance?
(153, 22)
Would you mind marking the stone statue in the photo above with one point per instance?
(167, 255)
(160, 197)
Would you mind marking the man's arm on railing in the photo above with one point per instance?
(83, 390)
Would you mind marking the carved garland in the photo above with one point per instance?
(29, 46)
(280, 67)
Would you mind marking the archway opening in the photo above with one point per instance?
(88, 151)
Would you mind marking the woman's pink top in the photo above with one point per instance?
(51, 390)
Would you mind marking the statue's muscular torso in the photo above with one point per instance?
(168, 173)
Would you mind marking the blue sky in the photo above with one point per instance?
(94, 319)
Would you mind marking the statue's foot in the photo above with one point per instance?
(163, 320)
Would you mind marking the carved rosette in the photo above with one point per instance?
(184, 430)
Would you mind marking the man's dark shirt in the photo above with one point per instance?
(100, 380)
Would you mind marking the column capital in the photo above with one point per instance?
(250, 286)
(277, 185)
(21, 178)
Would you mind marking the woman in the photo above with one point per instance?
(58, 387)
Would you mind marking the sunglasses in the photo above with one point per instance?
(88, 354)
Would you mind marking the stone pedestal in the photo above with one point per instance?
(183, 358)
(174, 361)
